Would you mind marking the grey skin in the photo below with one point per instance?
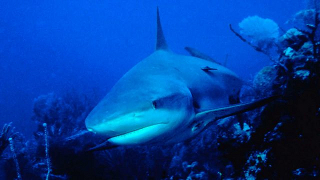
(166, 98)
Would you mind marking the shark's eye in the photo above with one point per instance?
(196, 105)
(154, 104)
(172, 101)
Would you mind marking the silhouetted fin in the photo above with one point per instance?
(207, 68)
(80, 134)
(198, 54)
(161, 41)
(103, 146)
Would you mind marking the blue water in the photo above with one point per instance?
(58, 46)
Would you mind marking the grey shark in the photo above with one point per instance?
(167, 98)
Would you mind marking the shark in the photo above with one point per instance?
(167, 98)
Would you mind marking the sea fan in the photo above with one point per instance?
(262, 32)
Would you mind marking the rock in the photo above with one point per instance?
(306, 49)
(293, 38)
(297, 61)
(289, 52)
(263, 82)
(302, 75)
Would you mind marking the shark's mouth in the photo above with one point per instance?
(139, 136)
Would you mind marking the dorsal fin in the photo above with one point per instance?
(161, 41)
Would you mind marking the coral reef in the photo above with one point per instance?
(284, 142)
(279, 141)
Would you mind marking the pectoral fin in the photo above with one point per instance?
(204, 118)
(103, 146)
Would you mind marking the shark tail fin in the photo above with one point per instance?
(161, 41)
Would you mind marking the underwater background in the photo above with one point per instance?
(59, 58)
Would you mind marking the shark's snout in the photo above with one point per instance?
(135, 127)
(111, 127)
(127, 123)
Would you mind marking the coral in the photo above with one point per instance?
(17, 163)
(47, 150)
(303, 17)
(306, 18)
(5, 135)
(264, 81)
(60, 123)
(64, 116)
(256, 161)
(285, 131)
(15, 158)
(293, 39)
(262, 32)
